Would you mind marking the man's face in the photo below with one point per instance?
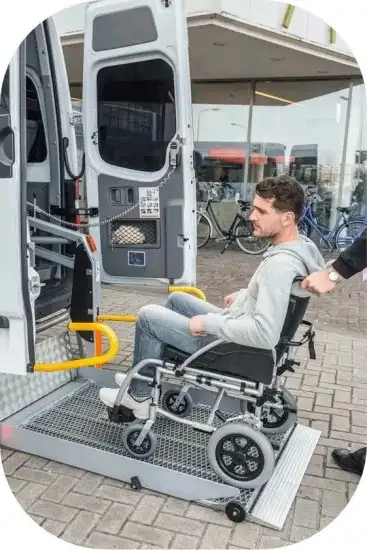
(267, 221)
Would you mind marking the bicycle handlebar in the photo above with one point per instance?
(313, 197)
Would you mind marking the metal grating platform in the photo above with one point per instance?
(82, 418)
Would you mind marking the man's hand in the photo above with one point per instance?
(318, 283)
(228, 300)
(196, 325)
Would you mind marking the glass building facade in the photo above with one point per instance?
(314, 130)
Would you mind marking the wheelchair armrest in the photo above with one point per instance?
(230, 359)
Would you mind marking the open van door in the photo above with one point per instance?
(19, 283)
(137, 120)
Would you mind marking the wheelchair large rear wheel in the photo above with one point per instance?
(241, 456)
(276, 421)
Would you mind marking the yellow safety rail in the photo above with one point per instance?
(113, 318)
(117, 318)
(189, 290)
(87, 361)
(98, 337)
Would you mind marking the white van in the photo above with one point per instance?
(139, 173)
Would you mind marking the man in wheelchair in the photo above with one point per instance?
(251, 317)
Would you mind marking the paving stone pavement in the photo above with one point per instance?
(344, 309)
(331, 391)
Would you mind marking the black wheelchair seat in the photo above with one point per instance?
(245, 362)
(230, 360)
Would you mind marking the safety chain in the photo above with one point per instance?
(103, 222)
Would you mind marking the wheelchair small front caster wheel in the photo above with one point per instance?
(235, 512)
(170, 403)
(241, 456)
(146, 448)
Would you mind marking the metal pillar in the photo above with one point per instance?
(248, 144)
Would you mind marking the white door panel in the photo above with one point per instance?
(16, 309)
(137, 108)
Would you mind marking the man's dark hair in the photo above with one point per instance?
(287, 192)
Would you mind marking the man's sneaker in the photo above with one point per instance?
(120, 378)
(140, 409)
(346, 461)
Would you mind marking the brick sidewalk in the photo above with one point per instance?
(344, 309)
(331, 392)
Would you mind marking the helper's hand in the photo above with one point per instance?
(228, 300)
(196, 325)
(318, 283)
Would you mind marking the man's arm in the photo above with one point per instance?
(354, 259)
(263, 329)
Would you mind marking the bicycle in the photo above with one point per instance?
(333, 238)
(239, 231)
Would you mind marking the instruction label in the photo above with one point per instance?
(149, 202)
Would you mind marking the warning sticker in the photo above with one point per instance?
(149, 202)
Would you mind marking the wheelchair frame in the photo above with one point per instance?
(263, 391)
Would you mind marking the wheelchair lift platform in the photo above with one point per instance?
(69, 424)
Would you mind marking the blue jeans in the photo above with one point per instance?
(157, 326)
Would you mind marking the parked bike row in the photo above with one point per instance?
(210, 227)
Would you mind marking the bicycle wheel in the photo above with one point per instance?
(203, 229)
(348, 232)
(246, 240)
(304, 228)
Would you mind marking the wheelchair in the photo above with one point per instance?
(239, 450)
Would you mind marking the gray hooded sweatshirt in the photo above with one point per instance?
(257, 315)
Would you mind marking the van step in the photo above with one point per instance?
(50, 321)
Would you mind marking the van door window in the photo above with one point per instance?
(36, 138)
(136, 114)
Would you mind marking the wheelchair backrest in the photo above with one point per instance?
(296, 310)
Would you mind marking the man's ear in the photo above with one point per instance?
(289, 219)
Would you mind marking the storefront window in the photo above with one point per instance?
(306, 120)
(354, 189)
(220, 116)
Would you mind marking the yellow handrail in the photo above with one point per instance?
(106, 317)
(98, 337)
(118, 318)
(189, 290)
(87, 361)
